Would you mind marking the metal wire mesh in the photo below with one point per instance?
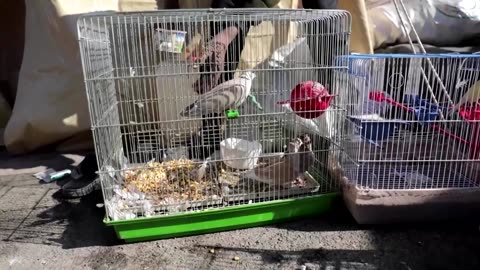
(403, 131)
(142, 70)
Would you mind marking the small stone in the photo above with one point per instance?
(420, 243)
(303, 267)
(212, 251)
(44, 262)
(236, 258)
(99, 205)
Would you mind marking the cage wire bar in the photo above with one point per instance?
(403, 132)
(143, 69)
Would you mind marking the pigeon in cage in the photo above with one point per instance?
(214, 60)
(210, 105)
(226, 96)
(291, 168)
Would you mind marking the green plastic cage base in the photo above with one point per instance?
(216, 220)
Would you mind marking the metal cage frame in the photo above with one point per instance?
(134, 121)
(401, 133)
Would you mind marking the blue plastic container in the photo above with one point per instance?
(424, 111)
(414, 100)
(374, 130)
(425, 114)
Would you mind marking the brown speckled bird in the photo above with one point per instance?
(214, 58)
(292, 167)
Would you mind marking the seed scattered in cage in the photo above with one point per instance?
(178, 108)
(172, 181)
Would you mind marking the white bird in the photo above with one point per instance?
(472, 95)
(292, 167)
(228, 95)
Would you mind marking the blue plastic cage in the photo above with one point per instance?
(400, 119)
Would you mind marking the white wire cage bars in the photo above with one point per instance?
(403, 131)
(188, 112)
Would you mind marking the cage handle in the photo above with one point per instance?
(422, 49)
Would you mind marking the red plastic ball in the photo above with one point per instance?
(309, 99)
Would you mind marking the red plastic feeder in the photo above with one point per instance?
(471, 113)
(309, 99)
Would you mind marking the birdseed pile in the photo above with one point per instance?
(177, 185)
(171, 181)
(169, 186)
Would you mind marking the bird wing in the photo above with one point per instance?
(275, 174)
(227, 95)
(472, 95)
(294, 164)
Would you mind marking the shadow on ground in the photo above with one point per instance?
(35, 214)
(41, 160)
(67, 223)
(331, 241)
(428, 246)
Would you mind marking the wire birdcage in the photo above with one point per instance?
(167, 145)
(403, 130)
(411, 141)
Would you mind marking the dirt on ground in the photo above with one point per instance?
(39, 230)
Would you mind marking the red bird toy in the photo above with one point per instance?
(309, 99)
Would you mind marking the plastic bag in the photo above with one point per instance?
(437, 22)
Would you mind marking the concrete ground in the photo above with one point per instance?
(38, 230)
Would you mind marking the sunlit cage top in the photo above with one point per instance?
(238, 89)
(410, 123)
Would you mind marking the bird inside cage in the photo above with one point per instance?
(471, 96)
(291, 168)
(417, 91)
(220, 58)
(213, 107)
